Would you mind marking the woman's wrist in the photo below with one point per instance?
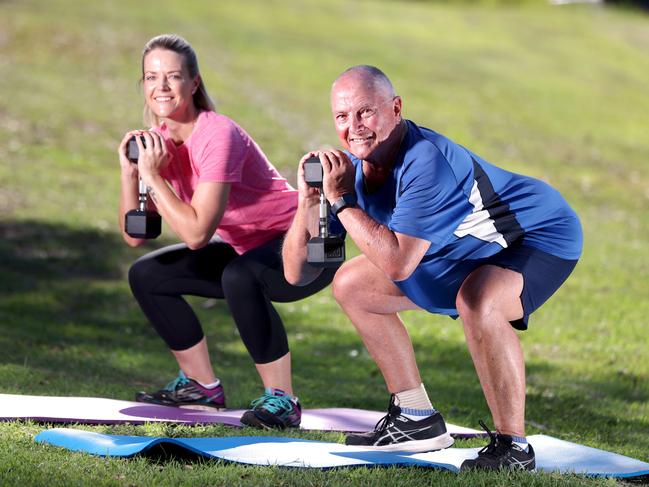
(308, 202)
(129, 175)
(154, 180)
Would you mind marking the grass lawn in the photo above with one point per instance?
(558, 93)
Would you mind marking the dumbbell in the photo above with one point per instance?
(140, 222)
(325, 250)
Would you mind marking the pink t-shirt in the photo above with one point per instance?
(261, 204)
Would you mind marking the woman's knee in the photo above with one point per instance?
(238, 278)
(140, 275)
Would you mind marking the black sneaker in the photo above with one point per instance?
(395, 432)
(273, 410)
(183, 391)
(501, 453)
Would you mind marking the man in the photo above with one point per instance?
(443, 230)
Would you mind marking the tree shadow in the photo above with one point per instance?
(66, 310)
(32, 251)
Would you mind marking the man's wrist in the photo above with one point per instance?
(347, 200)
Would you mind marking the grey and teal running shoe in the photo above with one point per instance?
(185, 392)
(273, 410)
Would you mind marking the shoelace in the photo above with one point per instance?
(181, 380)
(273, 404)
(495, 448)
(386, 420)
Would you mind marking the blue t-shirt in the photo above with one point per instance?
(466, 207)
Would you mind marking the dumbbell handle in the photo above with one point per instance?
(324, 215)
(142, 189)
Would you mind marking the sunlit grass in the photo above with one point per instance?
(557, 93)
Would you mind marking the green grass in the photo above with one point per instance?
(557, 93)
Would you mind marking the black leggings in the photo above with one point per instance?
(247, 282)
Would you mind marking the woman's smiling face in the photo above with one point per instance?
(168, 86)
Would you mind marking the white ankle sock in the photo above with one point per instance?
(414, 403)
(521, 441)
(211, 385)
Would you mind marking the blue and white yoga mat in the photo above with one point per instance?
(552, 454)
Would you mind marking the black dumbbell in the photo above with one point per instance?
(140, 222)
(328, 251)
(324, 250)
(132, 150)
(313, 172)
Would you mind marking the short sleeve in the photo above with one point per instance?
(219, 151)
(430, 201)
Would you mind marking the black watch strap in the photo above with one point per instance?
(345, 201)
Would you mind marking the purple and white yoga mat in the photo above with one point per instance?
(95, 410)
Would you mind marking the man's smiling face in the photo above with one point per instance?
(364, 115)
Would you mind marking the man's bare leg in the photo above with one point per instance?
(372, 301)
(488, 300)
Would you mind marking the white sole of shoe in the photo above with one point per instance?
(198, 407)
(414, 446)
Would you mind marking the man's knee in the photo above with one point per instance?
(473, 305)
(345, 285)
(490, 293)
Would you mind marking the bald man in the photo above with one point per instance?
(442, 230)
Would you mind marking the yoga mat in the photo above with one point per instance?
(552, 454)
(94, 410)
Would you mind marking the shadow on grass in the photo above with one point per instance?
(69, 326)
(33, 251)
(165, 452)
(66, 311)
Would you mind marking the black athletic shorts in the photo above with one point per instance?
(543, 274)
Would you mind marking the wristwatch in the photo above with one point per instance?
(348, 200)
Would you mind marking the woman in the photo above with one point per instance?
(206, 176)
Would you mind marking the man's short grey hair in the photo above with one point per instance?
(371, 75)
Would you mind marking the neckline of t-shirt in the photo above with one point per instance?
(197, 125)
(398, 161)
